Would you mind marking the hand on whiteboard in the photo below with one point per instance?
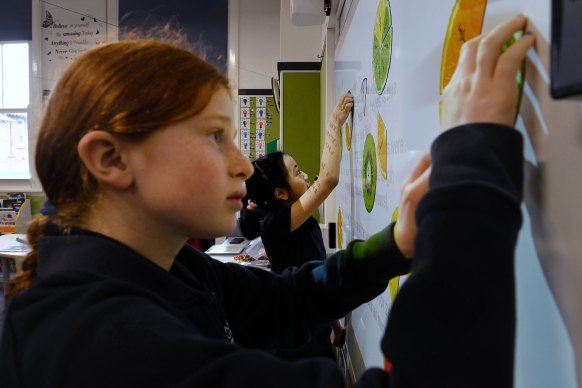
(483, 87)
(342, 109)
(412, 191)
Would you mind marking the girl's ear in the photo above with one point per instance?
(281, 194)
(102, 154)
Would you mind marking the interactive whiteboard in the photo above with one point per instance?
(396, 57)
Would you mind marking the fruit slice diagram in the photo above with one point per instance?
(465, 22)
(348, 135)
(382, 155)
(369, 172)
(382, 45)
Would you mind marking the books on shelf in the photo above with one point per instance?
(15, 213)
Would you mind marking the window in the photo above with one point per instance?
(14, 99)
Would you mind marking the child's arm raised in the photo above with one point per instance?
(329, 167)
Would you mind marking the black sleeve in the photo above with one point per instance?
(453, 321)
(317, 292)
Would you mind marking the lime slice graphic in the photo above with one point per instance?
(369, 173)
(382, 47)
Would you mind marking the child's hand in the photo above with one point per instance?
(483, 87)
(342, 109)
(412, 191)
(251, 205)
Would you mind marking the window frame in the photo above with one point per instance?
(21, 184)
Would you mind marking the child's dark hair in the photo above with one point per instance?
(269, 173)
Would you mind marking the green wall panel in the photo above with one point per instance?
(301, 118)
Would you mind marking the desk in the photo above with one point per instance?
(12, 248)
(253, 248)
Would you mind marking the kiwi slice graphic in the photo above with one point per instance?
(369, 173)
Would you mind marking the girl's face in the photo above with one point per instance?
(297, 179)
(190, 176)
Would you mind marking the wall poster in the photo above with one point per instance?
(68, 29)
(259, 122)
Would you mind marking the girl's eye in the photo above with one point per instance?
(217, 136)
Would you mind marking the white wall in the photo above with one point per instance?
(299, 44)
(260, 35)
(258, 42)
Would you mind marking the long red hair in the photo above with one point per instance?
(130, 88)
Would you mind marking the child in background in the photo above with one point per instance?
(281, 201)
(136, 155)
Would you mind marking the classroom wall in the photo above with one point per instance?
(298, 44)
(261, 34)
(300, 118)
(257, 35)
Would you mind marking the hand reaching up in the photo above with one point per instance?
(342, 109)
(483, 87)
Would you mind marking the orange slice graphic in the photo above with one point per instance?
(465, 22)
(382, 156)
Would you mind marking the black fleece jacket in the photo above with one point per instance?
(101, 315)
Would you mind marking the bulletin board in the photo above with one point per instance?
(259, 122)
(396, 57)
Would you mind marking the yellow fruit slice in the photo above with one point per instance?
(465, 22)
(380, 17)
(382, 156)
(340, 233)
(348, 136)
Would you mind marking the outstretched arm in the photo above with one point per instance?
(329, 167)
(457, 308)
